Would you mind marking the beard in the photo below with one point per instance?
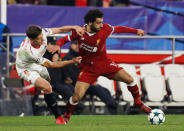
(94, 29)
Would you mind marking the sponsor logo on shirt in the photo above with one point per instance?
(88, 48)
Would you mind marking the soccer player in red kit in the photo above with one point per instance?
(95, 63)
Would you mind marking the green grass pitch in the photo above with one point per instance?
(91, 123)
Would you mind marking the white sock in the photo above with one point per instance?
(132, 84)
(71, 102)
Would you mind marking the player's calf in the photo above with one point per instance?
(52, 104)
(137, 98)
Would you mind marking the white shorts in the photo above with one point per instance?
(31, 74)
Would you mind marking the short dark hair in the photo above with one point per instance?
(92, 14)
(33, 31)
(52, 40)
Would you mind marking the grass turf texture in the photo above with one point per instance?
(91, 123)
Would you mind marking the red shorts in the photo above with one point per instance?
(90, 72)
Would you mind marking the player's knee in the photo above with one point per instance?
(130, 80)
(48, 88)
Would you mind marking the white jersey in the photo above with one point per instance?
(27, 56)
(29, 60)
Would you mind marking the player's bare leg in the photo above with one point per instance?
(79, 92)
(43, 85)
(49, 98)
(123, 76)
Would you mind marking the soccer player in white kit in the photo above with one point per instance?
(31, 65)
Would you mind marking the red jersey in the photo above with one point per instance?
(92, 47)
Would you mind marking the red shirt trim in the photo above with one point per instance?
(37, 47)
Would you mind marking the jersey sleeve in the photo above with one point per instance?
(72, 36)
(109, 29)
(63, 40)
(124, 29)
(47, 31)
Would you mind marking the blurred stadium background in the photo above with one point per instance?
(155, 60)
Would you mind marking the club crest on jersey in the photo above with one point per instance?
(97, 42)
(80, 74)
(82, 38)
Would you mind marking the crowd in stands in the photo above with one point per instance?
(80, 3)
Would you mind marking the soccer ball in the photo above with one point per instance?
(156, 117)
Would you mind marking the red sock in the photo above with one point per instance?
(135, 93)
(71, 107)
(69, 110)
(137, 99)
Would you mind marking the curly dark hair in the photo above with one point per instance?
(92, 14)
(33, 31)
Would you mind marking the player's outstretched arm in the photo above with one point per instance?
(140, 32)
(63, 29)
(124, 29)
(59, 64)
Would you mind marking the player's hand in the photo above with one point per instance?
(77, 59)
(140, 32)
(80, 31)
(53, 48)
